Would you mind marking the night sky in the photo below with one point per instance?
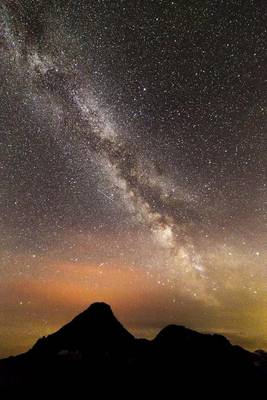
(133, 165)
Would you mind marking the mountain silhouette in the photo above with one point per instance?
(95, 349)
(93, 333)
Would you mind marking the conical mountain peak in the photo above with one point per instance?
(99, 308)
(95, 327)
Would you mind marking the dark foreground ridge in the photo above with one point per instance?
(95, 352)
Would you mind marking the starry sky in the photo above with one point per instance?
(133, 166)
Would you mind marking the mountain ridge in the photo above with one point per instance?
(95, 344)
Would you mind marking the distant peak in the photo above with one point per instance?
(97, 310)
(93, 328)
(99, 306)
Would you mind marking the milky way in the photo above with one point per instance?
(133, 146)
